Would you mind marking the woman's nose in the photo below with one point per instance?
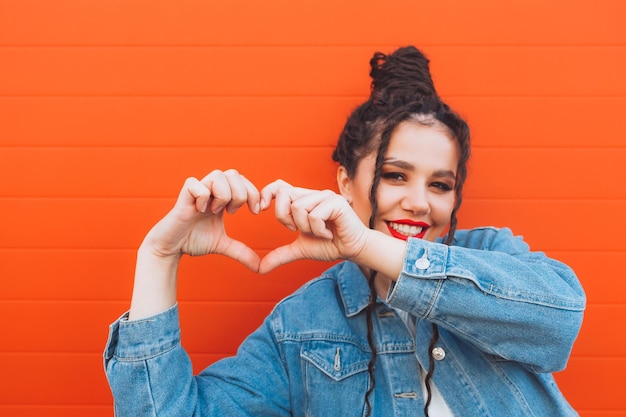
(416, 201)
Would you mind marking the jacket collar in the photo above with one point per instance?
(353, 288)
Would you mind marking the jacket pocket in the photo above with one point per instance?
(336, 378)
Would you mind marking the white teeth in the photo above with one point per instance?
(406, 229)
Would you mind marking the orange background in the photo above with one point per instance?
(106, 106)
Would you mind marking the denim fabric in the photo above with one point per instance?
(507, 318)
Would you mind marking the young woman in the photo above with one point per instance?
(410, 324)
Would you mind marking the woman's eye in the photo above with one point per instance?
(395, 176)
(442, 186)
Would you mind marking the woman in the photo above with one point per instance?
(363, 338)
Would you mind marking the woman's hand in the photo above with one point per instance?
(329, 228)
(195, 225)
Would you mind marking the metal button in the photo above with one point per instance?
(337, 366)
(439, 353)
(423, 262)
(409, 395)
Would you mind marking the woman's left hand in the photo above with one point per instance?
(329, 228)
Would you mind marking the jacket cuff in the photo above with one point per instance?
(422, 271)
(145, 338)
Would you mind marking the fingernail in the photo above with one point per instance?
(257, 208)
(262, 204)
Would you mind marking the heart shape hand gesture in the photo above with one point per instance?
(329, 228)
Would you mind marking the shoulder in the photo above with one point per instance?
(323, 285)
(315, 307)
(490, 238)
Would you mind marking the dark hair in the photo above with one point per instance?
(397, 79)
(402, 91)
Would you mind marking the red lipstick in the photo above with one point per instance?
(401, 229)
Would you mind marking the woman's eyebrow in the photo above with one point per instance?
(443, 173)
(399, 163)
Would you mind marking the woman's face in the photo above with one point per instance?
(416, 191)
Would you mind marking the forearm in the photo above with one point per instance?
(506, 300)
(154, 289)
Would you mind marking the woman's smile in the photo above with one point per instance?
(404, 229)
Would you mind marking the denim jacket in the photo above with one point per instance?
(507, 319)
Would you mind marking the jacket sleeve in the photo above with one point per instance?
(150, 374)
(491, 290)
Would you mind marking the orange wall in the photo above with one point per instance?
(106, 106)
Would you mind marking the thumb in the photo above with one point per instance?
(243, 254)
(277, 257)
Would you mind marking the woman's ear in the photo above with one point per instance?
(345, 183)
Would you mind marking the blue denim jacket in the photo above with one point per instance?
(507, 317)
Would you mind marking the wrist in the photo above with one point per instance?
(154, 289)
(153, 254)
(382, 253)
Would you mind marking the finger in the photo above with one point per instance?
(325, 213)
(300, 215)
(282, 209)
(317, 224)
(253, 194)
(194, 193)
(311, 211)
(277, 257)
(242, 253)
(269, 192)
(238, 190)
(220, 190)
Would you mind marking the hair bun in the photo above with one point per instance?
(401, 77)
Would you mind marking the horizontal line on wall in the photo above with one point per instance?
(126, 300)
(72, 249)
(234, 96)
(270, 148)
(606, 304)
(192, 147)
(600, 199)
(598, 357)
(56, 406)
(52, 353)
(288, 147)
(307, 96)
(316, 46)
(188, 96)
(268, 95)
(549, 148)
(91, 353)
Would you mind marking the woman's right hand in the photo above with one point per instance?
(195, 225)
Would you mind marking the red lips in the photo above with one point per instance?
(405, 228)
